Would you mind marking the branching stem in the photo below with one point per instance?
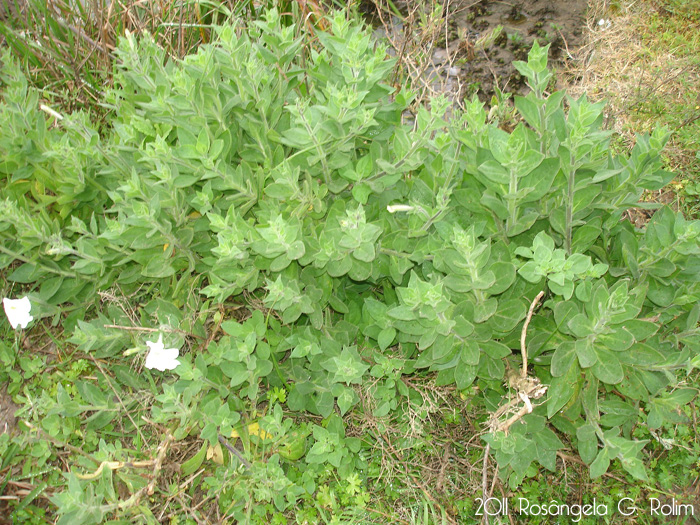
(523, 348)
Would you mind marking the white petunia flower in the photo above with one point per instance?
(161, 358)
(17, 311)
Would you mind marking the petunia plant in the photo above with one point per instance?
(265, 198)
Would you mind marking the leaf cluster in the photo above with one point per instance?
(267, 171)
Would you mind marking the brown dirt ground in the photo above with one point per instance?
(7, 411)
(560, 24)
(457, 53)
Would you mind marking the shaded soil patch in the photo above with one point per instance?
(7, 412)
(470, 47)
(560, 24)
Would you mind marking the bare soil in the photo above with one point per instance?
(561, 24)
(455, 57)
(7, 412)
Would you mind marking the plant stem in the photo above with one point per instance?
(57, 271)
(512, 204)
(523, 348)
(570, 205)
(404, 255)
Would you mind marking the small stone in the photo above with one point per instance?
(439, 56)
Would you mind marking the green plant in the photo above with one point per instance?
(516, 38)
(271, 176)
(68, 46)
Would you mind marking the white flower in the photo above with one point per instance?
(161, 358)
(393, 208)
(17, 311)
(604, 24)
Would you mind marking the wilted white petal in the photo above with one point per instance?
(17, 311)
(161, 358)
(393, 208)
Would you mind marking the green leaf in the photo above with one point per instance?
(365, 252)
(485, 309)
(601, 463)
(361, 192)
(348, 367)
(627, 452)
(521, 461)
(523, 223)
(49, 287)
(563, 389)
(585, 351)
(93, 336)
(191, 465)
(464, 376)
(427, 339)
(296, 250)
(237, 372)
(635, 466)
(346, 397)
(338, 268)
(91, 394)
(26, 273)
(404, 313)
(580, 325)
(632, 385)
(680, 397)
(617, 340)
(495, 172)
(494, 203)
(529, 108)
(469, 354)
(617, 412)
(547, 443)
(564, 311)
(584, 236)
(508, 315)
(563, 358)
(128, 377)
(323, 403)
(661, 268)
(490, 369)
(603, 175)
(386, 337)
(607, 368)
(643, 354)
(640, 329)
(495, 349)
(296, 137)
(587, 442)
(661, 294)
(540, 180)
(158, 268)
(504, 276)
(203, 142)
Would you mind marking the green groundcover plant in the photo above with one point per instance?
(276, 172)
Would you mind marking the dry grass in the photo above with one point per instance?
(620, 64)
(67, 46)
(641, 61)
(423, 457)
